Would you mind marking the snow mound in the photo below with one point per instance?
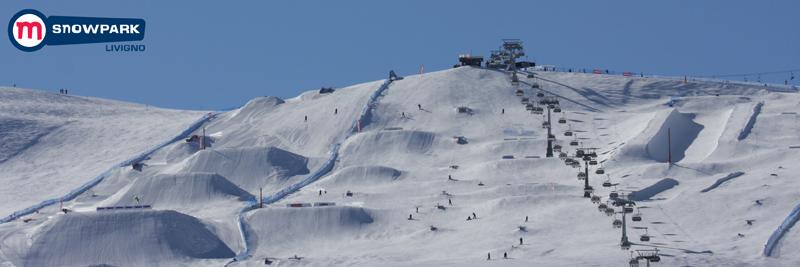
(256, 108)
(384, 142)
(181, 190)
(288, 226)
(144, 238)
(650, 191)
(683, 131)
(364, 175)
(249, 167)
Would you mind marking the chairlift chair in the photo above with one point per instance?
(539, 94)
(568, 133)
(573, 143)
(627, 209)
(581, 175)
(644, 237)
(551, 138)
(595, 199)
(562, 155)
(529, 107)
(600, 171)
(617, 223)
(592, 162)
(545, 124)
(535, 85)
(637, 217)
(602, 207)
(613, 194)
(609, 211)
(562, 120)
(525, 100)
(519, 92)
(607, 183)
(556, 148)
(579, 153)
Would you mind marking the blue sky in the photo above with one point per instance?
(216, 55)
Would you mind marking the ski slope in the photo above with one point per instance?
(340, 173)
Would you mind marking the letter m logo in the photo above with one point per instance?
(22, 25)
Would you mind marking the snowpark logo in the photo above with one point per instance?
(30, 30)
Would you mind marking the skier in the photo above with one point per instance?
(505, 255)
(520, 240)
(450, 201)
(489, 256)
(526, 218)
(469, 218)
(336, 111)
(503, 111)
(419, 106)
(137, 199)
(410, 218)
(306, 118)
(417, 209)
(320, 192)
(474, 216)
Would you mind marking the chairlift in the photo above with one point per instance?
(644, 237)
(595, 199)
(607, 183)
(562, 120)
(539, 94)
(581, 175)
(617, 223)
(538, 110)
(568, 133)
(579, 153)
(557, 110)
(637, 217)
(592, 162)
(525, 100)
(535, 85)
(551, 137)
(573, 143)
(588, 189)
(545, 124)
(529, 107)
(530, 75)
(600, 171)
(627, 209)
(602, 207)
(613, 194)
(556, 148)
(562, 155)
(519, 92)
(609, 211)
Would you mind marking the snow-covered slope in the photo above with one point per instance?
(50, 143)
(396, 187)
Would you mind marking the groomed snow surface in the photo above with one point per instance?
(337, 196)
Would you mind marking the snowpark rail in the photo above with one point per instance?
(776, 236)
(363, 119)
(96, 180)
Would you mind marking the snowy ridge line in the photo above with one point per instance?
(773, 87)
(88, 185)
(782, 229)
(323, 170)
(751, 122)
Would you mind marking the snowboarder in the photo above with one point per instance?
(306, 118)
(417, 209)
(320, 192)
(403, 115)
(419, 106)
(335, 111)
(503, 111)
(520, 240)
(137, 199)
(489, 256)
(505, 255)
(474, 216)
(410, 218)
(450, 201)
(469, 218)
(526, 218)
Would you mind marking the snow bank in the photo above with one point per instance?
(722, 180)
(180, 190)
(751, 122)
(683, 131)
(287, 226)
(141, 238)
(364, 175)
(248, 167)
(382, 142)
(16, 135)
(650, 191)
(776, 236)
